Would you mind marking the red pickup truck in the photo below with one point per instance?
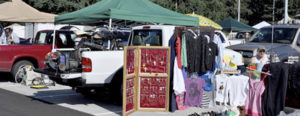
(15, 56)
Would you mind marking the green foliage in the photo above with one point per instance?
(59, 6)
(252, 11)
(1, 1)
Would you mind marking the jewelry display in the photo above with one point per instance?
(152, 91)
(153, 61)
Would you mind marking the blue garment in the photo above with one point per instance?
(184, 73)
(208, 77)
(173, 106)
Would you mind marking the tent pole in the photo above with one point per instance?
(109, 25)
(109, 28)
(32, 32)
(54, 36)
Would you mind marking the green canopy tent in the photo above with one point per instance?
(231, 25)
(106, 11)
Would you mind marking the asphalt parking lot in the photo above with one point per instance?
(64, 96)
(99, 105)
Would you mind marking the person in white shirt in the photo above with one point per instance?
(261, 58)
(8, 37)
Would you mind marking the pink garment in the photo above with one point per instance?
(179, 101)
(178, 51)
(253, 102)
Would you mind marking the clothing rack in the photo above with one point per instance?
(208, 30)
(259, 71)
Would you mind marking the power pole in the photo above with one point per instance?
(286, 15)
(239, 10)
(176, 4)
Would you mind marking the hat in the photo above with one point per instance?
(261, 48)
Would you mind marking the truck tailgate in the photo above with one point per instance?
(104, 65)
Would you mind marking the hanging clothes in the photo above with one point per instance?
(183, 51)
(178, 51)
(273, 100)
(293, 91)
(205, 99)
(217, 40)
(208, 82)
(211, 53)
(194, 92)
(184, 73)
(253, 102)
(178, 80)
(172, 100)
(180, 101)
(196, 52)
(220, 90)
(237, 88)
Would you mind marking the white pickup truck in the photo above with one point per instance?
(105, 68)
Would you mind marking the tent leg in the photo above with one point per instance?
(110, 29)
(109, 25)
(54, 36)
(32, 31)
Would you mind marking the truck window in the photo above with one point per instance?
(146, 38)
(65, 40)
(281, 35)
(42, 38)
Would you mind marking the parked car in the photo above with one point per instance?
(229, 42)
(27, 53)
(285, 42)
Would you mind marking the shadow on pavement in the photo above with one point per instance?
(6, 77)
(70, 97)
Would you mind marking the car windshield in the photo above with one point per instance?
(281, 35)
(146, 37)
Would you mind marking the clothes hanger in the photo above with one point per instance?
(195, 35)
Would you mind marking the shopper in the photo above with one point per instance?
(261, 58)
(8, 37)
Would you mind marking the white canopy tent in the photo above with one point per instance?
(261, 24)
(19, 11)
(290, 21)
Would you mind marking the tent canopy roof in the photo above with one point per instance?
(261, 24)
(230, 24)
(128, 10)
(19, 11)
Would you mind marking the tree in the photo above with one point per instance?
(59, 6)
(252, 11)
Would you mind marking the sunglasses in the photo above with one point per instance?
(261, 51)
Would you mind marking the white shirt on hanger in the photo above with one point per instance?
(221, 86)
(238, 87)
(178, 81)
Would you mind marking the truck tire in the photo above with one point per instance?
(116, 87)
(18, 65)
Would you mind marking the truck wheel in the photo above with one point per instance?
(18, 67)
(117, 89)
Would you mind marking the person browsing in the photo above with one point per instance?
(261, 58)
(8, 37)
